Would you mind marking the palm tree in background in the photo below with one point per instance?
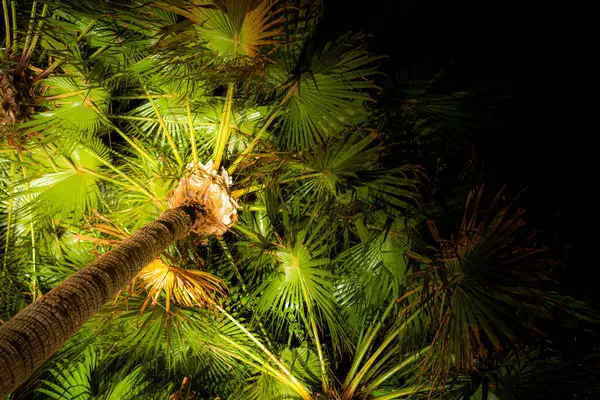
(339, 284)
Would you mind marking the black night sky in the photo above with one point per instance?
(522, 61)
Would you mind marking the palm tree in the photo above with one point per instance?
(144, 114)
(37, 331)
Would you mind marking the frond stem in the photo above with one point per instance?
(123, 135)
(6, 27)
(349, 393)
(57, 63)
(29, 28)
(111, 180)
(238, 275)
(127, 178)
(99, 51)
(262, 130)
(9, 212)
(192, 133)
(262, 347)
(13, 6)
(296, 386)
(394, 370)
(148, 119)
(62, 95)
(165, 129)
(407, 392)
(36, 36)
(255, 188)
(148, 96)
(365, 344)
(34, 283)
(224, 128)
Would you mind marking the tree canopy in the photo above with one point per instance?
(348, 273)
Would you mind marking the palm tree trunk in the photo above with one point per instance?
(40, 329)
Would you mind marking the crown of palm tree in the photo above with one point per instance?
(205, 187)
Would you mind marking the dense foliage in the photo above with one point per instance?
(342, 279)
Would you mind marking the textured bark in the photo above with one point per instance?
(37, 331)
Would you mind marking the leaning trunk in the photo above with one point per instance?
(40, 329)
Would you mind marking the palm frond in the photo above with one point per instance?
(183, 340)
(65, 185)
(93, 378)
(535, 374)
(185, 287)
(72, 105)
(477, 284)
(302, 363)
(349, 169)
(374, 271)
(232, 37)
(328, 96)
(301, 289)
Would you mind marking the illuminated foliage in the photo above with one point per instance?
(316, 270)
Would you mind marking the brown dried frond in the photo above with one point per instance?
(14, 105)
(109, 228)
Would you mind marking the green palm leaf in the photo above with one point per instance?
(71, 189)
(334, 293)
(93, 378)
(348, 169)
(328, 95)
(301, 361)
(72, 105)
(73, 382)
(300, 283)
(374, 271)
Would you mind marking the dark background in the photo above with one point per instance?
(529, 60)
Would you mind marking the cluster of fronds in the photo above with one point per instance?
(310, 275)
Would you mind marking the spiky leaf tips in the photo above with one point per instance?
(476, 281)
(186, 287)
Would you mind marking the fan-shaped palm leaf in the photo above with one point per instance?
(87, 379)
(349, 169)
(186, 287)
(533, 374)
(302, 363)
(234, 30)
(328, 95)
(374, 271)
(185, 340)
(476, 284)
(72, 105)
(64, 181)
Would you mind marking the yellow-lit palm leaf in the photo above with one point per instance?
(184, 286)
